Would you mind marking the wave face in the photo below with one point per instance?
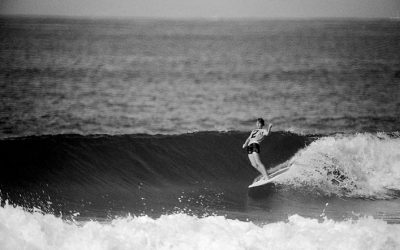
(205, 173)
(136, 173)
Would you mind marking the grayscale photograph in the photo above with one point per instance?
(188, 124)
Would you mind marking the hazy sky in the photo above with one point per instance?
(205, 8)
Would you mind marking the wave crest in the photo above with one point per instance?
(361, 165)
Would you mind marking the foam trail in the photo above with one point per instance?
(23, 230)
(361, 165)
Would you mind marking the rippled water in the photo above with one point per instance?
(144, 76)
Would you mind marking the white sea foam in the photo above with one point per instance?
(362, 165)
(23, 230)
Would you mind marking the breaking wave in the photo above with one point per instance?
(361, 166)
(22, 230)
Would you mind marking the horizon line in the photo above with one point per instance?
(169, 18)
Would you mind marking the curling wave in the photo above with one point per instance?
(133, 171)
(361, 165)
(97, 175)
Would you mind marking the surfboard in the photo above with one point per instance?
(259, 182)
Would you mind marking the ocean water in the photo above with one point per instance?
(144, 76)
(127, 134)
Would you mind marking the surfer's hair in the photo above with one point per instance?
(261, 121)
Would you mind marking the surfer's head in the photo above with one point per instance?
(260, 123)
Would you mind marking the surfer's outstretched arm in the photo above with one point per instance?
(269, 129)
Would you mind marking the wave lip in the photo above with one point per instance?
(361, 166)
(20, 229)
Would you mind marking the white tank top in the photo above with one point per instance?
(257, 136)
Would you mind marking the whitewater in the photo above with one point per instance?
(363, 165)
(22, 230)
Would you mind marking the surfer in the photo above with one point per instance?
(253, 146)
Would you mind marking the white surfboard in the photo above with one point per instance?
(272, 176)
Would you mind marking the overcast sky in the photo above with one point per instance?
(205, 8)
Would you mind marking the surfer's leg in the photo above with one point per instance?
(254, 164)
(253, 161)
(260, 165)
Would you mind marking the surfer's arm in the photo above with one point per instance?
(246, 143)
(268, 130)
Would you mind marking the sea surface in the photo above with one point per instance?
(128, 133)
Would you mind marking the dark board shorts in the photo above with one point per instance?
(254, 147)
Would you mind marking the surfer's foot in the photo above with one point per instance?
(258, 178)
